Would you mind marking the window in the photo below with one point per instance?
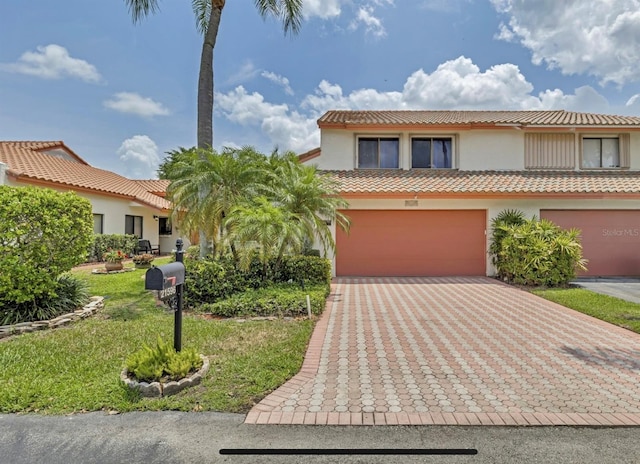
(98, 223)
(164, 226)
(378, 153)
(133, 225)
(431, 152)
(600, 152)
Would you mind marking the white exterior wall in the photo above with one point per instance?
(634, 147)
(3, 170)
(491, 150)
(530, 207)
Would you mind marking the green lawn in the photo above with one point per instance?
(607, 308)
(76, 368)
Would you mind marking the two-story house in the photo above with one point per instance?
(120, 205)
(424, 186)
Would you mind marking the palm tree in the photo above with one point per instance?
(311, 197)
(208, 14)
(205, 186)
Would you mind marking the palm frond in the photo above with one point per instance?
(140, 9)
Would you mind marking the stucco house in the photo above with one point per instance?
(120, 205)
(424, 186)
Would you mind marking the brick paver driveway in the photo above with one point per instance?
(457, 351)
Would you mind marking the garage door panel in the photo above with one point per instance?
(610, 239)
(412, 243)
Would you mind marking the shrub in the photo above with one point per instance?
(70, 293)
(43, 233)
(281, 300)
(208, 281)
(508, 217)
(162, 361)
(144, 258)
(105, 242)
(538, 252)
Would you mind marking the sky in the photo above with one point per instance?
(121, 95)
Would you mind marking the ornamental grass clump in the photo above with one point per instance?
(162, 362)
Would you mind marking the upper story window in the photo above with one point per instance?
(600, 152)
(378, 153)
(431, 152)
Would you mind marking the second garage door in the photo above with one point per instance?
(412, 243)
(610, 239)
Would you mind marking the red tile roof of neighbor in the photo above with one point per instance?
(555, 118)
(28, 162)
(454, 182)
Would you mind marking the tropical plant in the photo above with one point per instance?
(153, 363)
(144, 258)
(113, 256)
(507, 217)
(538, 252)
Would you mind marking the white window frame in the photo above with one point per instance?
(379, 137)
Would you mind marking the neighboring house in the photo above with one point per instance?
(424, 186)
(120, 205)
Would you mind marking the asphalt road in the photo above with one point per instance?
(173, 437)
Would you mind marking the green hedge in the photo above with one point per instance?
(43, 233)
(209, 281)
(281, 300)
(104, 242)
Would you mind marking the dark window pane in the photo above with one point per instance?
(420, 153)
(367, 153)
(164, 226)
(389, 153)
(442, 153)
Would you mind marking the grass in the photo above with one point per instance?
(76, 368)
(607, 308)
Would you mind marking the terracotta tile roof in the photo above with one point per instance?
(306, 156)
(155, 186)
(26, 163)
(456, 118)
(486, 182)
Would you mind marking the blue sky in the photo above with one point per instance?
(122, 95)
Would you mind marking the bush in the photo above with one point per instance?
(162, 361)
(71, 293)
(43, 233)
(105, 242)
(209, 281)
(538, 252)
(281, 300)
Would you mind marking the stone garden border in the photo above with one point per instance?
(160, 389)
(95, 303)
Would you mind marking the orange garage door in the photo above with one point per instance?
(610, 239)
(412, 243)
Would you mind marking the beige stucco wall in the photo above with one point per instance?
(3, 170)
(530, 207)
(474, 149)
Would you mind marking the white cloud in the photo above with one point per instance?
(133, 103)
(455, 84)
(53, 62)
(322, 8)
(373, 25)
(246, 72)
(598, 37)
(280, 80)
(139, 154)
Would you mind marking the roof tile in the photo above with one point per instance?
(25, 161)
(485, 182)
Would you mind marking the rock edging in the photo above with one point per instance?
(95, 303)
(160, 389)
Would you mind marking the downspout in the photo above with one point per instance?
(3, 173)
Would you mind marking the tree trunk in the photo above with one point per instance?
(205, 94)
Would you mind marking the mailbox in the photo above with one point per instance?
(164, 277)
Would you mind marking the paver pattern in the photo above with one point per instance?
(457, 350)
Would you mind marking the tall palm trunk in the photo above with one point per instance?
(205, 94)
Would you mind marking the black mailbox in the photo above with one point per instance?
(165, 276)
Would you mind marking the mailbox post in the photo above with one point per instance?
(170, 278)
